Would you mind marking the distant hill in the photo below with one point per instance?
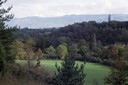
(48, 22)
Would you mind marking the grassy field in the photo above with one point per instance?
(94, 72)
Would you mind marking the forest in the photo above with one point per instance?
(89, 41)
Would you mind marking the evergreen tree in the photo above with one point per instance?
(94, 44)
(2, 59)
(6, 38)
(109, 18)
(73, 48)
(69, 73)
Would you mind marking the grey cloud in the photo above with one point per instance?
(22, 8)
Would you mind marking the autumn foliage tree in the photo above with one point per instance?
(19, 49)
(119, 71)
(39, 54)
(118, 75)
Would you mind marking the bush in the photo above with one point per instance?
(23, 75)
(46, 56)
(107, 62)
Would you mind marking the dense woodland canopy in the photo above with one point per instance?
(91, 41)
(106, 33)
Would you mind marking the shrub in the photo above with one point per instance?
(23, 75)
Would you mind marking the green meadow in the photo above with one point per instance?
(94, 72)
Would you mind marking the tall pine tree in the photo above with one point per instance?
(6, 38)
(69, 73)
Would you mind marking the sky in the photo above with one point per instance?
(53, 8)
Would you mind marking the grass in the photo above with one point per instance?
(94, 72)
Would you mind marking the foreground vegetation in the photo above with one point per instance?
(95, 72)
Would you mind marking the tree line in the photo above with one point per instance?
(106, 33)
(91, 41)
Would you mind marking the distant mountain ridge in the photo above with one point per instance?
(49, 22)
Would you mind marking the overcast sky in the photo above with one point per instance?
(51, 8)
